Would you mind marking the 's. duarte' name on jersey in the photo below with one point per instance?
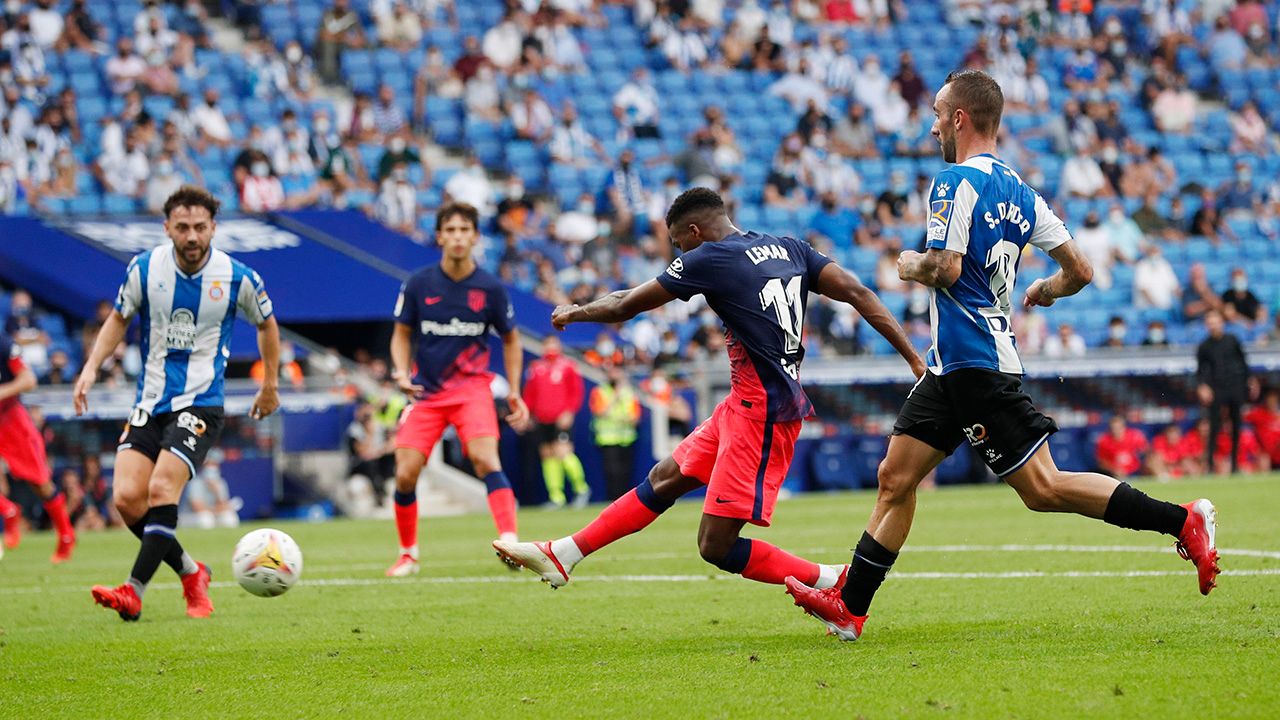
(453, 328)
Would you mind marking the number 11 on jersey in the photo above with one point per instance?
(787, 306)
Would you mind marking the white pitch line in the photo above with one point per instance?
(506, 579)
(909, 549)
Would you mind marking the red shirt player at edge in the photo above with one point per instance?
(22, 449)
(450, 309)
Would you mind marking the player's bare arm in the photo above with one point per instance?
(513, 359)
(109, 337)
(839, 284)
(933, 268)
(24, 382)
(401, 349)
(617, 306)
(1074, 273)
(268, 397)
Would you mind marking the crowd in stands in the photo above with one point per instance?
(1149, 124)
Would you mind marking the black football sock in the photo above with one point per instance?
(871, 562)
(1133, 509)
(157, 540)
(176, 558)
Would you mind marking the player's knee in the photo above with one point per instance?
(130, 502)
(486, 464)
(406, 479)
(1041, 496)
(664, 477)
(714, 547)
(896, 486)
(165, 488)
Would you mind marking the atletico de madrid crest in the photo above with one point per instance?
(476, 300)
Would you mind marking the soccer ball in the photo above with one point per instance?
(266, 562)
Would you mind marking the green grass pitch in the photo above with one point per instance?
(963, 628)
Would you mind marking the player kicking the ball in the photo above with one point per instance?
(451, 308)
(187, 295)
(22, 449)
(982, 217)
(759, 286)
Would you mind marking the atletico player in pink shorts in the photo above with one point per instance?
(759, 286)
(450, 309)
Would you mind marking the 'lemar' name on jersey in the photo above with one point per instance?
(759, 287)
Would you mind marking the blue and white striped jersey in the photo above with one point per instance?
(982, 209)
(186, 325)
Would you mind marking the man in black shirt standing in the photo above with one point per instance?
(1224, 381)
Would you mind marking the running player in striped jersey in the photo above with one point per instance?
(982, 217)
(187, 295)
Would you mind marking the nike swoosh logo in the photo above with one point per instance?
(432, 300)
(722, 501)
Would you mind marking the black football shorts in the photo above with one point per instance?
(987, 409)
(189, 434)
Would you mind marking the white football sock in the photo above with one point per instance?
(567, 552)
(827, 576)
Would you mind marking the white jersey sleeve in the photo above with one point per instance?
(951, 202)
(1050, 231)
(252, 299)
(129, 296)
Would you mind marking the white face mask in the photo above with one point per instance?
(1118, 332)
(397, 145)
(260, 169)
(1240, 284)
(293, 54)
(321, 125)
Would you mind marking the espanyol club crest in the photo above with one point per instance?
(476, 300)
(215, 291)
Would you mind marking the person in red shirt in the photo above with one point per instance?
(1249, 457)
(22, 450)
(1166, 459)
(1119, 452)
(554, 393)
(1265, 419)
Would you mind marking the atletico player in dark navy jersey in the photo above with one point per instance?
(444, 316)
(759, 286)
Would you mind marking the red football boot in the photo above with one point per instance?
(1196, 542)
(63, 552)
(828, 607)
(122, 599)
(195, 588)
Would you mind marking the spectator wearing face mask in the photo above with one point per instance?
(400, 151)
(1239, 304)
(164, 181)
(1117, 333)
(605, 351)
(260, 189)
(397, 202)
(1066, 343)
(1157, 335)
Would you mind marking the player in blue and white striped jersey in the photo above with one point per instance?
(187, 296)
(981, 217)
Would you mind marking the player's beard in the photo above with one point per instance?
(948, 149)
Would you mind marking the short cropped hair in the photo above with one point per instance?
(191, 196)
(449, 210)
(692, 200)
(979, 95)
